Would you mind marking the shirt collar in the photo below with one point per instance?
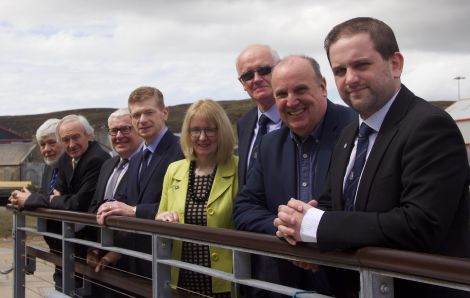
(272, 113)
(152, 147)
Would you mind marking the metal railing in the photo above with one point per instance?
(376, 266)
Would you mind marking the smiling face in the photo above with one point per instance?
(74, 138)
(259, 87)
(204, 145)
(300, 95)
(123, 143)
(148, 119)
(364, 79)
(51, 150)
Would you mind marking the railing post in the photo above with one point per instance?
(68, 261)
(241, 269)
(19, 237)
(161, 250)
(375, 285)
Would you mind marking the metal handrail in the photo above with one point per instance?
(376, 265)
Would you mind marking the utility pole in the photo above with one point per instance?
(458, 78)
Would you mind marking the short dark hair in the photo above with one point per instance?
(381, 34)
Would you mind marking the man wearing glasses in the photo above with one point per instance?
(254, 65)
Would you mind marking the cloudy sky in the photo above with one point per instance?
(58, 55)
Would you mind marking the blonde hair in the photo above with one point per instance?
(210, 111)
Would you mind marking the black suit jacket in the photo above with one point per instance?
(147, 199)
(105, 172)
(245, 129)
(76, 186)
(413, 193)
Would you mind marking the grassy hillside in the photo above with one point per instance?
(26, 125)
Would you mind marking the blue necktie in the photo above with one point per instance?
(53, 181)
(144, 165)
(262, 130)
(352, 181)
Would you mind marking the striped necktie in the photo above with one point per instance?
(352, 181)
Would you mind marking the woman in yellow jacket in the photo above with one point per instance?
(200, 190)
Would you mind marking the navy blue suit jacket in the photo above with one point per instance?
(147, 199)
(245, 129)
(273, 179)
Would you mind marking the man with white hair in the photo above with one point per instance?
(113, 176)
(51, 151)
(77, 176)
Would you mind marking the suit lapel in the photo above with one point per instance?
(157, 157)
(385, 136)
(222, 181)
(340, 163)
(245, 136)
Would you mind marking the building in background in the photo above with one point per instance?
(460, 112)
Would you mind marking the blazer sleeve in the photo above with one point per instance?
(166, 185)
(250, 211)
(80, 200)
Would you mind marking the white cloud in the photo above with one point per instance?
(57, 55)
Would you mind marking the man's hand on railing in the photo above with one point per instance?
(96, 260)
(113, 208)
(289, 219)
(19, 197)
(306, 266)
(169, 216)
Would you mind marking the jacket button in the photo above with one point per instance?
(214, 257)
(210, 211)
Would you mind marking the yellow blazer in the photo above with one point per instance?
(219, 211)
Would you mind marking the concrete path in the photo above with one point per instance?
(37, 285)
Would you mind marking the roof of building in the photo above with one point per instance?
(8, 134)
(460, 110)
(13, 154)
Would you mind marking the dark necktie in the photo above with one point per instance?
(144, 165)
(109, 193)
(262, 130)
(352, 181)
(53, 181)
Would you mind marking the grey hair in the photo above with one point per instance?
(119, 113)
(46, 129)
(87, 128)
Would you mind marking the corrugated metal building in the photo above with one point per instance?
(460, 112)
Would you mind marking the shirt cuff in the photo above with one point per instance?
(309, 226)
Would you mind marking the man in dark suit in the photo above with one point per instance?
(113, 176)
(77, 176)
(292, 162)
(148, 167)
(51, 150)
(412, 192)
(254, 65)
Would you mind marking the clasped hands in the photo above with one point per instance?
(18, 198)
(288, 223)
(113, 208)
(99, 260)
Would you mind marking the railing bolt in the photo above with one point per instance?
(384, 289)
(163, 244)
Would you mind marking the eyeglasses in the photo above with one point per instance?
(123, 129)
(209, 132)
(249, 75)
